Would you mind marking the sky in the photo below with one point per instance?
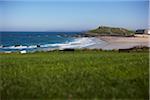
(65, 15)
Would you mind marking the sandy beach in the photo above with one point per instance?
(98, 42)
(112, 42)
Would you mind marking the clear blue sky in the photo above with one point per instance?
(72, 16)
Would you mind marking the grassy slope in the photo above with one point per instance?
(103, 30)
(82, 74)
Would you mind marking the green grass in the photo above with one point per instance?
(75, 75)
(104, 30)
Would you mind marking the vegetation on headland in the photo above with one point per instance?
(75, 75)
(110, 31)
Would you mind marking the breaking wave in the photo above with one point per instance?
(77, 43)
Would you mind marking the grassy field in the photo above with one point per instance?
(74, 75)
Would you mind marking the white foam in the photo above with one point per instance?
(32, 46)
(76, 43)
(23, 51)
(21, 47)
(16, 47)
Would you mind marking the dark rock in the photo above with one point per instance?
(17, 45)
(38, 46)
(68, 49)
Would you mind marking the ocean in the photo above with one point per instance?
(41, 41)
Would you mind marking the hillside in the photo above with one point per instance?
(104, 30)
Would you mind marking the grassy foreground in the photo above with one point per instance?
(74, 75)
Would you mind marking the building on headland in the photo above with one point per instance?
(147, 31)
(143, 31)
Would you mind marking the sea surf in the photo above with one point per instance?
(42, 41)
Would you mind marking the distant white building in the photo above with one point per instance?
(147, 31)
(142, 31)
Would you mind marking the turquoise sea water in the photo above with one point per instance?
(31, 41)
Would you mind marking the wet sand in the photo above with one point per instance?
(114, 43)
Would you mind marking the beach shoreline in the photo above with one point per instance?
(115, 42)
(96, 42)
